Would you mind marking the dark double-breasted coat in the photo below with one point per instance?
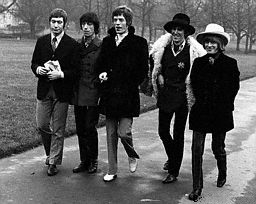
(86, 88)
(215, 87)
(126, 66)
(67, 55)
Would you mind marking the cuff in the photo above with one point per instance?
(61, 74)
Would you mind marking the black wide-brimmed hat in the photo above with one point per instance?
(181, 20)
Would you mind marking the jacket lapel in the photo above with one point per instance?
(92, 46)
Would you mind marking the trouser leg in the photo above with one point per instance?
(59, 116)
(112, 142)
(164, 120)
(43, 119)
(92, 118)
(125, 133)
(198, 142)
(178, 139)
(218, 148)
(80, 112)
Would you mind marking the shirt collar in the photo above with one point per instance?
(58, 37)
(119, 38)
(181, 47)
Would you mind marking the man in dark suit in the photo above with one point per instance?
(54, 62)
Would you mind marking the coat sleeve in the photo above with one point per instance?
(101, 62)
(194, 79)
(74, 63)
(234, 81)
(36, 58)
(143, 62)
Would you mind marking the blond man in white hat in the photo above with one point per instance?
(215, 83)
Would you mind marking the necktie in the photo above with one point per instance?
(54, 43)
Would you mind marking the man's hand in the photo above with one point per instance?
(160, 79)
(55, 74)
(42, 70)
(103, 76)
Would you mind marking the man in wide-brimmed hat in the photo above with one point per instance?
(173, 55)
(215, 83)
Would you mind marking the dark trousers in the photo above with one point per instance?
(86, 118)
(218, 148)
(174, 146)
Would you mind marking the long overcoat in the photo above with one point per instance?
(214, 87)
(126, 66)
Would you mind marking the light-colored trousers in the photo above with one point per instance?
(51, 115)
(119, 127)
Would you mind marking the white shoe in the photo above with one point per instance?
(133, 163)
(109, 177)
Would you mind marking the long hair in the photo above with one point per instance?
(90, 17)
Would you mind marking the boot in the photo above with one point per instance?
(222, 167)
(195, 195)
(93, 166)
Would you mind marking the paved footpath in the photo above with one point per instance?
(23, 178)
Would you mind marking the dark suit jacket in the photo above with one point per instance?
(215, 88)
(67, 55)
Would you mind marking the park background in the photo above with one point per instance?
(23, 21)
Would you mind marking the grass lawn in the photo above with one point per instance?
(18, 95)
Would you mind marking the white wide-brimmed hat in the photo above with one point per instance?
(216, 30)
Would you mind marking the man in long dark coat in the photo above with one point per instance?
(122, 66)
(215, 83)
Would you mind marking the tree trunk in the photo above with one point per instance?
(32, 26)
(246, 44)
(238, 44)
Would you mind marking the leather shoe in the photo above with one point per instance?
(109, 177)
(166, 165)
(80, 168)
(133, 163)
(195, 195)
(52, 170)
(169, 179)
(221, 181)
(93, 167)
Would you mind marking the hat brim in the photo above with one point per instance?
(171, 24)
(224, 36)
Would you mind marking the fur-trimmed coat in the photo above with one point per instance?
(157, 51)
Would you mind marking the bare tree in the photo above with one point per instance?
(143, 11)
(29, 11)
(236, 20)
(250, 30)
(7, 6)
